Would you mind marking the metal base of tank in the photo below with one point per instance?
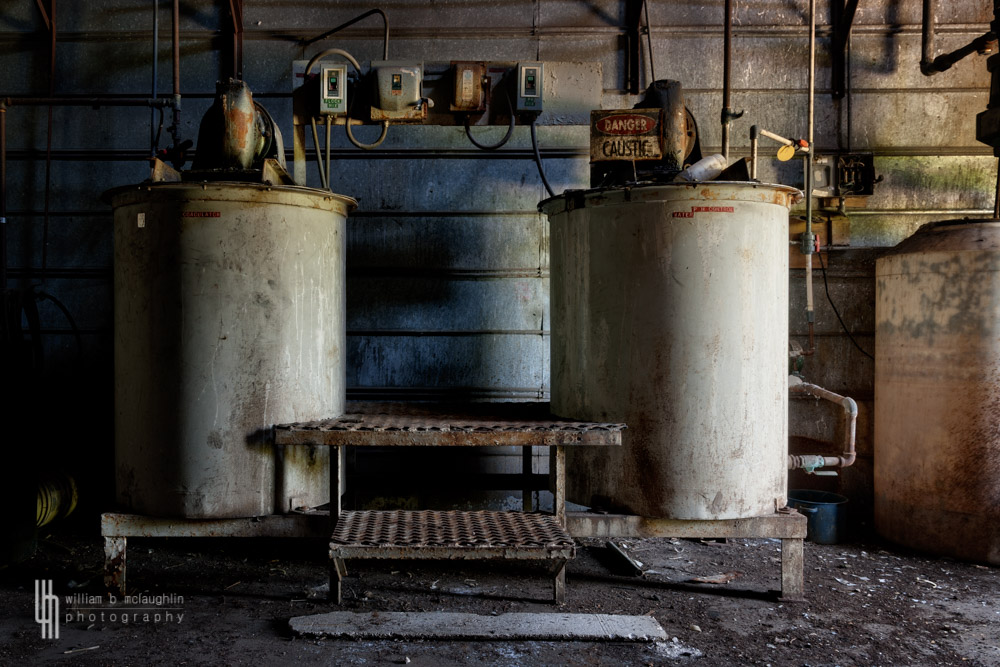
(787, 525)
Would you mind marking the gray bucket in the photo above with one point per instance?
(826, 512)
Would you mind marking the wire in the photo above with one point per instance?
(385, 36)
(836, 312)
(506, 138)
(364, 146)
(538, 158)
(42, 296)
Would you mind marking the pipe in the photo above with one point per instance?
(649, 41)
(385, 35)
(927, 36)
(727, 112)
(176, 41)
(808, 238)
(154, 91)
(996, 196)
(94, 102)
(329, 120)
(176, 48)
(754, 141)
(847, 426)
(931, 65)
(3, 198)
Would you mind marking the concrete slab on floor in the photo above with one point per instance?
(451, 625)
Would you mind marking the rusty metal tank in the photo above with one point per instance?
(229, 318)
(670, 313)
(937, 391)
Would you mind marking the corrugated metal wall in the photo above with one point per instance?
(448, 262)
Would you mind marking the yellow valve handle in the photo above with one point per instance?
(786, 153)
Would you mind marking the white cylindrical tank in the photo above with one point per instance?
(937, 391)
(670, 313)
(229, 318)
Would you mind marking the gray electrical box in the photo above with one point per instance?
(333, 90)
(529, 86)
(399, 85)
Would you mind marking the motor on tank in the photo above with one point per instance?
(651, 143)
(238, 140)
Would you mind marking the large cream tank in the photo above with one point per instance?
(670, 313)
(229, 318)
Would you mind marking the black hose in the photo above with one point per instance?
(506, 137)
(836, 312)
(538, 159)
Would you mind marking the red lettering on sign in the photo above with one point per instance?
(625, 123)
(682, 214)
(712, 209)
(202, 214)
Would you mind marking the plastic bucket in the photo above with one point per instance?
(825, 511)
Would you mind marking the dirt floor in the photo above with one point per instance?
(868, 604)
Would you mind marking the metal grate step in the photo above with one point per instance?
(452, 534)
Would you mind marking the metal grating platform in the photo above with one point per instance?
(473, 425)
(452, 534)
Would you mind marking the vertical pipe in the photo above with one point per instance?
(726, 63)
(649, 42)
(927, 35)
(154, 91)
(176, 38)
(3, 197)
(996, 198)
(754, 141)
(807, 238)
(48, 139)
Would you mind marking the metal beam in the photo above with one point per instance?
(780, 526)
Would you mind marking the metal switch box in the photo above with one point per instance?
(399, 88)
(333, 90)
(529, 86)
(469, 87)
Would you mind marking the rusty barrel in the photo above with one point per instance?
(937, 391)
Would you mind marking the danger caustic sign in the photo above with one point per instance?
(630, 134)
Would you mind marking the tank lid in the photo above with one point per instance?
(951, 236)
(236, 190)
(750, 191)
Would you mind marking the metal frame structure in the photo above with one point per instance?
(455, 535)
(433, 535)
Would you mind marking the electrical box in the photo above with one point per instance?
(529, 86)
(333, 90)
(399, 87)
(469, 86)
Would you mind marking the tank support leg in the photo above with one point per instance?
(792, 579)
(559, 582)
(526, 499)
(557, 466)
(114, 565)
(338, 569)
